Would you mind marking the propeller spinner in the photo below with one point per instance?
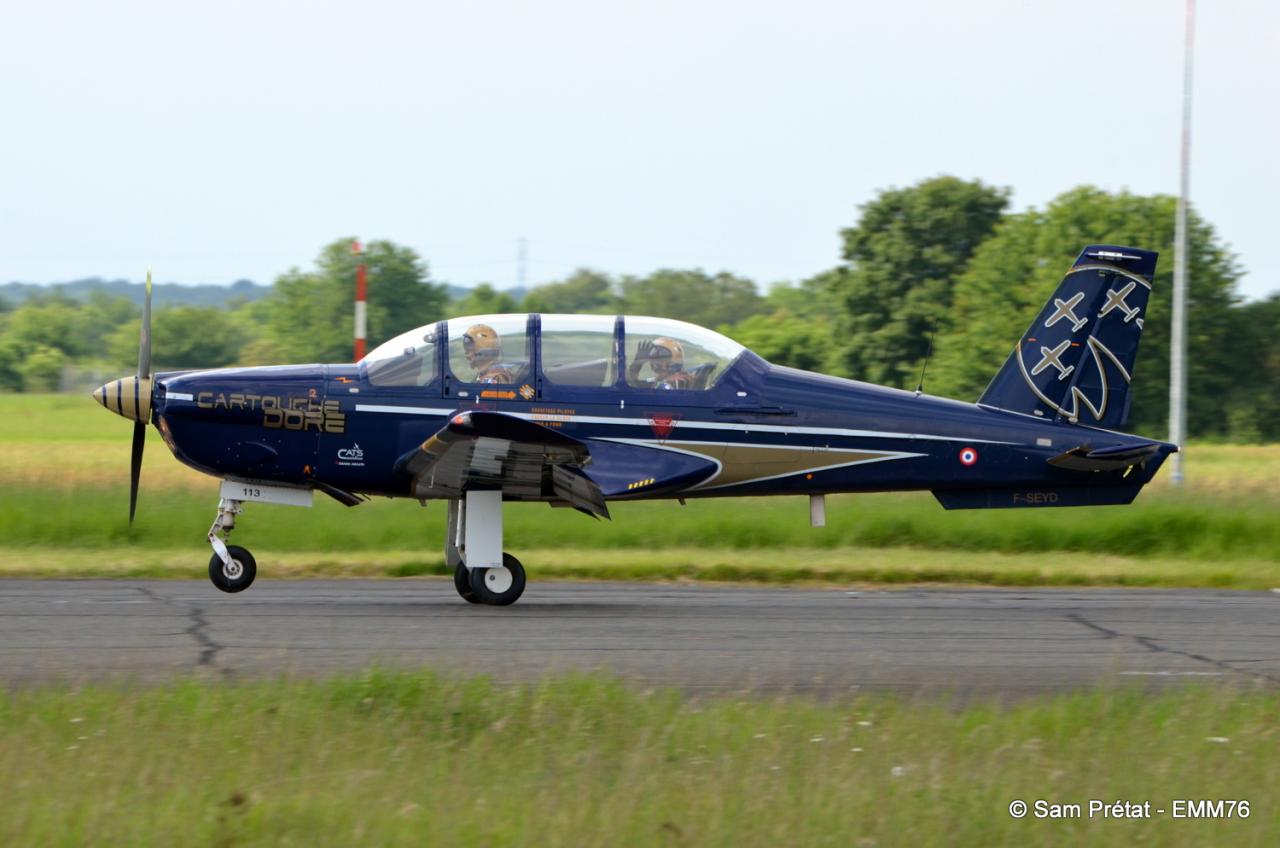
(130, 397)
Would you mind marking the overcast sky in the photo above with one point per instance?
(224, 140)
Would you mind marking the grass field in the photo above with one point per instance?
(64, 496)
(417, 759)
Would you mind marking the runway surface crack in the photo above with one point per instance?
(198, 630)
(1153, 645)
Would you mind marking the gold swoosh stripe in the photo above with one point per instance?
(745, 463)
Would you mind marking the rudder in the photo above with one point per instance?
(1076, 359)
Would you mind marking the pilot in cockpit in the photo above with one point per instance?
(665, 357)
(483, 350)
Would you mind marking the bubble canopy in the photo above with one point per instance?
(409, 359)
(577, 350)
(405, 343)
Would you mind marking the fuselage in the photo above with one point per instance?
(762, 430)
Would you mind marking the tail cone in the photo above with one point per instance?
(128, 397)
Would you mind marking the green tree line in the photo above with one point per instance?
(939, 270)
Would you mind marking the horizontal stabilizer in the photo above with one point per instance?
(1076, 359)
(1105, 459)
(1018, 498)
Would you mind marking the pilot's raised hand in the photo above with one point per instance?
(644, 352)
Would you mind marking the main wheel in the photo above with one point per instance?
(462, 582)
(235, 576)
(498, 586)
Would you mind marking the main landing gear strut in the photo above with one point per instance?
(482, 573)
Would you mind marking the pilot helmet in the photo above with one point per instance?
(667, 356)
(481, 345)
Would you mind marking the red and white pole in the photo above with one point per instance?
(362, 299)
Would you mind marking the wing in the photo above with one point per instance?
(491, 450)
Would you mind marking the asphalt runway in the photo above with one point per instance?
(699, 638)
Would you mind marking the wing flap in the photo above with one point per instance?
(578, 490)
(490, 450)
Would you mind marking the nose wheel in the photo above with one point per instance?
(237, 573)
(231, 568)
(497, 587)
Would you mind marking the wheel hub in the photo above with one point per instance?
(232, 570)
(498, 580)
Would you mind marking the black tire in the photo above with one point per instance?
(237, 578)
(462, 582)
(483, 583)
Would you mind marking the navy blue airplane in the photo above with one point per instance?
(580, 410)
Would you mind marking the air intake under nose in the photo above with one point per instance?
(128, 397)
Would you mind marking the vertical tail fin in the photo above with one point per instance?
(1076, 359)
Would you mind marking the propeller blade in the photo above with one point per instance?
(135, 465)
(144, 339)
(140, 427)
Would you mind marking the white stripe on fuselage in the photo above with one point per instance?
(404, 410)
(700, 425)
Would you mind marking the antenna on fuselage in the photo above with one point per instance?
(924, 365)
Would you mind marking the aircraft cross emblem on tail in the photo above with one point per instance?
(1066, 309)
(1053, 357)
(1115, 300)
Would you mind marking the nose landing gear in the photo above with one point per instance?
(237, 573)
(231, 568)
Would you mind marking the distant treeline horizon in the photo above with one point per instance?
(168, 293)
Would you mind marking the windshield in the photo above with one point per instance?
(407, 360)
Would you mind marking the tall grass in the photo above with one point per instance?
(417, 759)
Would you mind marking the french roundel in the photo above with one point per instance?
(968, 457)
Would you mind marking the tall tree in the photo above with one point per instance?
(310, 312)
(798, 328)
(1252, 408)
(694, 296)
(51, 321)
(1015, 271)
(584, 291)
(484, 299)
(903, 257)
(182, 337)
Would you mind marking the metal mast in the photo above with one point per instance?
(1178, 336)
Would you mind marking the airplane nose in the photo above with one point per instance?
(128, 397)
